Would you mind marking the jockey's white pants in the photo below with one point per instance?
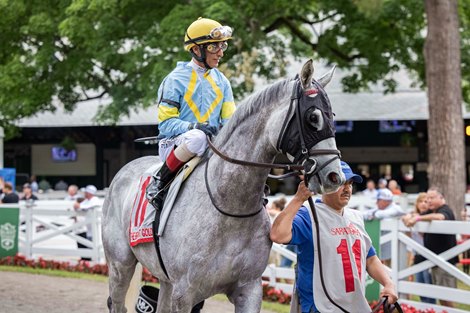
(194, 140)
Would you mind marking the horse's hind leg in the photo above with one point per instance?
(120, 275)
(248, 298)
(121, 265)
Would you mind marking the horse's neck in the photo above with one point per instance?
(240, 188)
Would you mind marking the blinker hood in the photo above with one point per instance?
(296, 126)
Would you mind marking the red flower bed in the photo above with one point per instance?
(269, 293)
(80, 267)
(274, 295)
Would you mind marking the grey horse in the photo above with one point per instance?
(207, 252)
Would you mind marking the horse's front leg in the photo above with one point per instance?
(248, 298)
(184, 299)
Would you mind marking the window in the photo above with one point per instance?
(344, 126)
(364, 170)
(385, 171)
(407, 172)
(395, 126)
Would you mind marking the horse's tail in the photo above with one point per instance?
(134, 289)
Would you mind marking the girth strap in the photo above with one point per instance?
(156, 240)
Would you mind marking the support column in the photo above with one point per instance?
(2, 135)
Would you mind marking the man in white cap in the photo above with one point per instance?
(90, 202)
(386, 208)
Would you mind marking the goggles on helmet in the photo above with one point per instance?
(219, 33)
(215, 47)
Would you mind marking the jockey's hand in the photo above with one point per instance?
(206, 128)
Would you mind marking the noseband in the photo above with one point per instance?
(308, 163)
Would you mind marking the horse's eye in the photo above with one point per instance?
(314, 118)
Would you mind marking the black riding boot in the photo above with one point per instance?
(156, 189)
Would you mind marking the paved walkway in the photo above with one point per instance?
(24, 293)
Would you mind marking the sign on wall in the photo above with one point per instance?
(48, 160)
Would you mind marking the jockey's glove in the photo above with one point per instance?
(205, 127)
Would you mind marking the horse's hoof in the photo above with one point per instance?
(110, 302)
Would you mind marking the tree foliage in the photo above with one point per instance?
(60, 52)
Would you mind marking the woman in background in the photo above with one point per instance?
(421, 207)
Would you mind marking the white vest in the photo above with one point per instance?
(344, 247)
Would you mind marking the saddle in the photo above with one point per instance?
(170, 195)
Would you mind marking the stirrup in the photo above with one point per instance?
(152, 190)
(158, 200)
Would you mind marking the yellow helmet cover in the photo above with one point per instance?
(205, 30)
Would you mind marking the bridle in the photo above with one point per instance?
(308, 163)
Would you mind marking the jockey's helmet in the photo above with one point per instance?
(205, 30)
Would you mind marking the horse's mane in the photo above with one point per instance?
(269, 96)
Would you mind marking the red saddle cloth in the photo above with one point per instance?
(142, 215)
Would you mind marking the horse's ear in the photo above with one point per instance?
(306, 75)
(325, 79)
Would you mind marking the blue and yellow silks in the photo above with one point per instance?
(185, 97)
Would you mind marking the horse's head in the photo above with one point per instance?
(307, 135)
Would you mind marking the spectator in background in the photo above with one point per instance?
(61, 185)
(2, 184)
(28, 193)
(370, 191)
(421, 207)
(386, 208)
(90, 202)
(10, 195)
(276, 207)
(44, 185)
(72, 193)
(382, 183)
(394, 187)
(438, 243)
(34, 183)
(464, 215)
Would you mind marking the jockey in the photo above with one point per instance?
(195, 100)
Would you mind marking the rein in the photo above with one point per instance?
(387, 308)
(213, 199)
(289, 167)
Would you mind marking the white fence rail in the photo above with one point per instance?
(400, 272)
(48, 230)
